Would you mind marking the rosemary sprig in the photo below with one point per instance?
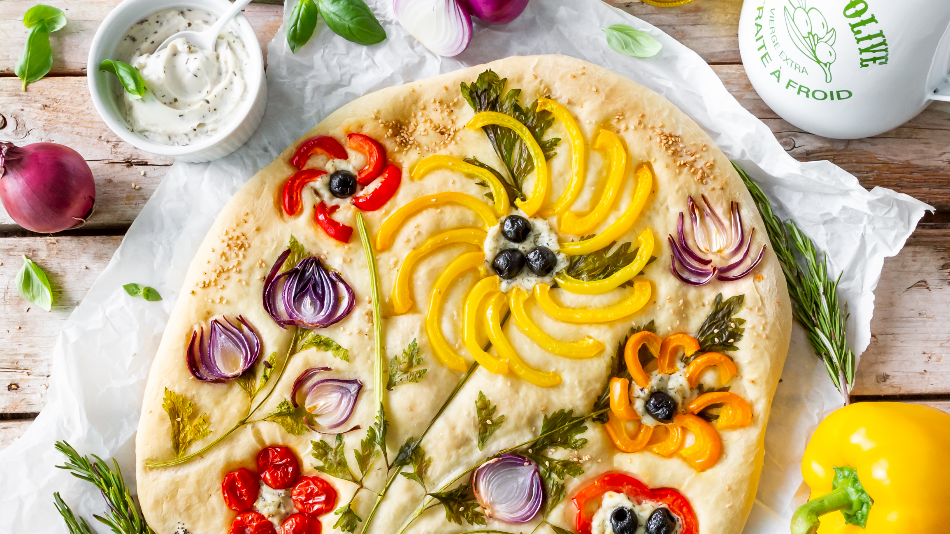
(73, 525)
(813, 292)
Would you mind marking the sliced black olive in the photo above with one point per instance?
(661, 406)
(623, 521)
(508, 263)
(515, 228)
(342, 184)
(661, 521)
(541, 261)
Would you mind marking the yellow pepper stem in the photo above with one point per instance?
(433, 163)
(806, 518)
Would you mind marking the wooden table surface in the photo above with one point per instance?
(909, 356)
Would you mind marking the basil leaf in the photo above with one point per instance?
(37, 58)
(129, 76)
(33, 285)
(352, 20)
(54, 18)
(150, 294)
(300, 26)
(134, 290)
(631, 41)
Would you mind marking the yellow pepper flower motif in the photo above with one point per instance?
(577, 350)
(707, 445)
(668, 446)
(437, 162)
(623, 223)
(578, 157)
(440, 346)
(574, 224)
(507, 353)
(487, 286)
(620, 400)
(625, 308)
(541, 179)
(735, 412)
(402, 295)
(621, 437)
(387, 231)
(599, 287)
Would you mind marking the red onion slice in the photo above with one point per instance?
(509, 488)
(332, 401)
(699, 231)
(308, 295)
(738, 233)
(717, 221)
(735, 277)
(685, 245)
(226, 353)
(742, 258)
(689, 279)
(688, 266)
(442, 26)
(495, 11)
(303, 382)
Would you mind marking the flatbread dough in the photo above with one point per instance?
(414, 121)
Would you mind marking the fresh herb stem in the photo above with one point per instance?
(73, 525)
(377, 310)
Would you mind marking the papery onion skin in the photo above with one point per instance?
(497, 501)
(202, 352)
(495, 11)
(46, 187)
(442, 26)
(346, 391)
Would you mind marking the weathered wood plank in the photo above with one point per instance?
(11, 430)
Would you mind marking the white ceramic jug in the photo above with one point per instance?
(847, 68)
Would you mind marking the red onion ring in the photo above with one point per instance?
(738, 234)
(745, 255)
(688, 266)
(226, 353)
(686, 279)
(699, 231)
(733, 278)
(442, 26)
(309, 295)
(684, 244)
(509, 488)
(303, 382)
(717, 220)
(332, 401)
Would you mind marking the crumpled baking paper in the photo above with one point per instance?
(102, 355)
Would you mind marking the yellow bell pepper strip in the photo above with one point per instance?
(668, 445)
(623, 223)
(541, 179)
(625, 308)
(707, 447)
(725, 365)
(631, 355)
(599, 287)
(669, 350)
(387, 231)
(575, 350)
(440, 161)
(485, 287)
(574, 224)
(402, 295)
(578, 157)
(735, 412)
(893, 454)
(440, 346)
(508, 354)
(620, 400)
(617, 431)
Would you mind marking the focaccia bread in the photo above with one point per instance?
(656, 298)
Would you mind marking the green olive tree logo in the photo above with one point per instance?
(810, 33)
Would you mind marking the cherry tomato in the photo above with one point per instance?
(314, 496)
(251, 523)
(278, 466)
(300, 524)
(240, 489)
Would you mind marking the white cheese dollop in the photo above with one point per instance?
(275, 505)
(611, 501)
(323, 183)
(541, 235)
(674, 384)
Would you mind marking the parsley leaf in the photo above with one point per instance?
(559, 530)
(348, 521)
(332, 458)
(373, 444)
(603, 263)
(619, 369)
(488, 422)
(246, 381)
(460, 505)
(185, 429)
(400, 367)
(722, 330)
(561, 430)
(295, 421)
(297, 253)
(312, 339)
(420, 464)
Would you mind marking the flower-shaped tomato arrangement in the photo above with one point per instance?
(279, 469)
(342, 183)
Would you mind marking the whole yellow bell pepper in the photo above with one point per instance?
(877, 468)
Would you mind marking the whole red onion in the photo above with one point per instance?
(495, 11)
(45, 187)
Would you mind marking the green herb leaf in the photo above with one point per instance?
(348, 521)
(37, 58)
(488, 422)
(297, 254)
(847, 477)
(561, 430)
(268, 366)
(722, 330)
(406, 452)
(333, 459)
(185, 428)
(134, 290)
(374, 444)
(352, 20)
(420, 465)
(33, 285)
(400, 367)
(514, 192)
(632, 42)
(295, 421)
(73, 525)
(315, 340)
(54, 18)
(559, 530)
(300, 25)
(603, 263)
(461, 506)
(130, 77)
(150, 294)
(248, 379)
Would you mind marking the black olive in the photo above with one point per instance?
(508, 263)
(661, 406)
(515, 228)
(541, 261)
(661, 521)
(342, 184)
(623, 521)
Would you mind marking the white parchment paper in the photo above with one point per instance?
(102, 356)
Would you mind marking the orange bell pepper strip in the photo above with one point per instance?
(735, 412)
(706, 450)
(727, 368)
(620, 400)
(670, 350)
(631, 355)
(617, 431)
(671, 443)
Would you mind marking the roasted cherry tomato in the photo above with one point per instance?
(293, 189)
(314, 496)
(240, 489)
(251, 523)
(333, 228)
(278, 466)
(375, 157)
(588, 500)
(380, 194)
(300, 524)
(318, 145)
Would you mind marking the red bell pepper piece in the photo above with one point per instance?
(318, 145)
(293, 189)
(334, 229)
(383, 191)
(375, 157)
(588, 500)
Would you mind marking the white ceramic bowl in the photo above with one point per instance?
(227, 139)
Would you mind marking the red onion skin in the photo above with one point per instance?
(46, 187)
(495, 11)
